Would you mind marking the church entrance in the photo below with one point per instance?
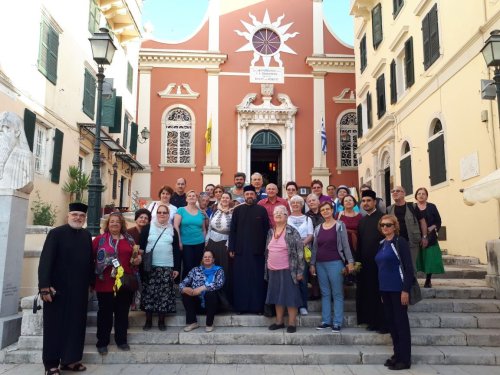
(265, 157)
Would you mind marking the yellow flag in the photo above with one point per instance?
(208, 136)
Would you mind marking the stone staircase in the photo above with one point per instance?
(458, 322)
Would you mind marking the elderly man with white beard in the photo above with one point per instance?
(16, 159)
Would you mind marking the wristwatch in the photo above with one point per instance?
(424, 237)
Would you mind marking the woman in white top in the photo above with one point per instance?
(164, 194)
(218, 234)
(304, 226)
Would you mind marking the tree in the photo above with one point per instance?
(77, 184)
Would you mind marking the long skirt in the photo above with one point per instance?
(222, 259)
(158, 295)
(430, 260)
(281, 290)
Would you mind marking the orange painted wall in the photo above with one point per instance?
(333, 45)
(197, 42)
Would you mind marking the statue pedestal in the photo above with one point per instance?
(13, 215)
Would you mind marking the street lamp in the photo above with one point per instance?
(103, 50)
(491, 54)
(144, 135)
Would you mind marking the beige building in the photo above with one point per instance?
(48, 77)
(421, 119)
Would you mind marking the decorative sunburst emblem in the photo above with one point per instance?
(266, 39)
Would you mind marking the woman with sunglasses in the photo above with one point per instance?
(158, 295)
(330, 252)
(395, 275)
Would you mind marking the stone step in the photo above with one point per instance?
(305, 336)
(460, 272)
(272, 354)
(458, 260)
(417, 320)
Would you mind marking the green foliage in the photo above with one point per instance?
(77, 184)
(43, 213)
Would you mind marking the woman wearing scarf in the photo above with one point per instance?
(200, 292)
(114, 256)
(158, 295)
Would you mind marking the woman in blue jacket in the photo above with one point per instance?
(395, 275)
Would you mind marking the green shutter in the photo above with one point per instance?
(117, 128)
(377, 25)
(362, 53)
(125, 132)
(93, 17)
(394, 89)
(57, 156)
(380, 96)
(130, 77)
(134, 131)
(48, 51)
(437, 165)
(108, 110)
(359, 120)
(433, 34)
(369, 121)
(406, 176)
(426, 41)
(409, 68)
(29, 127)
(89, 88)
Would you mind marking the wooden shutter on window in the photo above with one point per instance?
(359, 120)
(369, 122)
(433, 34)
(377, 25)
(117, 119)
(362, 53)
(437, 166)
(426, 41)
(48, 51)
(108, 110)
(29, 127)
(380, 96)
(57, 156)
(409, 66)
(406, 176)
(134, 131)
(89, 88)
(394, 90)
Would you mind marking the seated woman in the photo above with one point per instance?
(200, 292)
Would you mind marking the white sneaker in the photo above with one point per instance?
(303, 311)
(190, 327)
(209, 328)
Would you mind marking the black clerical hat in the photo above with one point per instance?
(78, 206)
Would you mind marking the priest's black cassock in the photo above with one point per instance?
(66, 264)
(368, 304)
(247, 239)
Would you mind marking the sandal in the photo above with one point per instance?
(54, 371)
(77, 367)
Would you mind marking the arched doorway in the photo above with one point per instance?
(265, 156)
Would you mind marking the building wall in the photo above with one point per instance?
(449, 90)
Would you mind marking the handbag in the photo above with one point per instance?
(130, 282)
(415, 292)
(147, 258)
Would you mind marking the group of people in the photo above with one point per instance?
(246, 249)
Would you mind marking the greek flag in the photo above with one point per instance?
(323, 136)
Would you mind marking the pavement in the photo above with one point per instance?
(145, 369)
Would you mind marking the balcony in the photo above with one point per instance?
(362, 8)
(124, 18)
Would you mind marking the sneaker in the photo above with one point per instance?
(303, 311)
(323, 326)
(336, 328)
(190, 327)
(209, 328)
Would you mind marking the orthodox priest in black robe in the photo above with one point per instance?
(369, 307)
(247, 243)
(65, 273)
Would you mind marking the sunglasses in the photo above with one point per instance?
(162, 212)
(387, 225)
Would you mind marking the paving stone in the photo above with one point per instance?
(222, 370)
(420, 354)
(424, 320)
(260, 354)
(442, 336)
(466, 355)
(457, 320)
(233, 336)
(472, 306)
(482, 337)
(138, 336)
(488, 320)
(192, 354)
(359, 336)
(331, 354)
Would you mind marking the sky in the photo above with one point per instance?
(175, 20)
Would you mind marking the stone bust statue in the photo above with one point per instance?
(16, 159)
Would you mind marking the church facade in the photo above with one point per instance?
(259, 87)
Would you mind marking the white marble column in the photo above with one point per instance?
(320, 170)
(318, 40)
(213, 25)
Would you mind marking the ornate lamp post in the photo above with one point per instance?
(491, 54)
(103, 50)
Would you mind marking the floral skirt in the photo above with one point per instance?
(158, 294)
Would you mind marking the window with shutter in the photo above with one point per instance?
(369, 120)
(94, 16)
(405, 168)
(130, 77)
(108, 109)
(39, 148)
(397, 5)
(359, 120)
(57, 156)
(126, 121)
(117, 119)
(362, 53)
(430, 36)
(409, 68)
(380, 96)
(48, 51)
(377, 25)
(394, 90)
(437, 160)
(29, 126)
(134, 131)
(89, 88)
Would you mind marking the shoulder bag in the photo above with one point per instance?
(147, 259)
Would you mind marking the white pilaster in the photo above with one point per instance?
(142, 179)
(320, 171)
(318, 43)
(213, 25)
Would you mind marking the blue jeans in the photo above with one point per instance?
(331, 284)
